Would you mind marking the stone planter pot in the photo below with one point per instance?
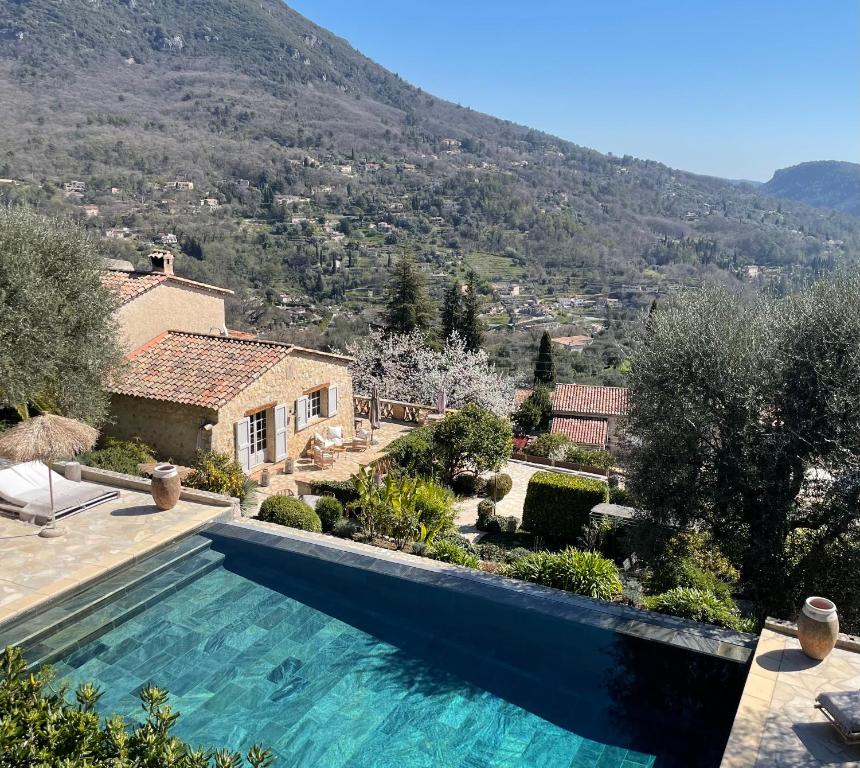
(265, 478)
(165, 486)
(817, 627)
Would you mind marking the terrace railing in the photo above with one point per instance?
(393, 409)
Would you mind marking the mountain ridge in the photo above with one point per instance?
(833, 184)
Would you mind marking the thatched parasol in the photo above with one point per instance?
(47, 438)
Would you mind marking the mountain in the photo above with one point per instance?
(821, 184)
(313, 167)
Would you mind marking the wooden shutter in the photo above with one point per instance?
(332, 400)
(280, 432)
(243, 444)
(301, 413)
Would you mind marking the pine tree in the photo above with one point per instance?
(451, 310)
(407, 306)
(471, 328)
(544, 365)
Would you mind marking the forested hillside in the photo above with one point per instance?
(312, 167)
(823, 184)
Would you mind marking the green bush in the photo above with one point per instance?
(558, 506)
(589, 457)
(549, 444)
(622, 496)
(499, 486)
(574, 570)
(41, 728)
(468, 485)
(448, 552)
(329, 510)
(120, 456)
(692, 560)
(412, 453)
(435, 507)
(486, 510)
(699, 605)
(496, 524)
(285, 510)
(516, 553)
(492, 553)
(343, 490)
(218, 473)
(345, 528)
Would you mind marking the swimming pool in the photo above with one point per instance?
(334, 666)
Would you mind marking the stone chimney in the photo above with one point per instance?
(162, 262)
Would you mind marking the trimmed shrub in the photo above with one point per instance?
(574, 570)
(510, 524)
(345, 528)
(448, 552)
(468, 485)
(412, 453)
(286, 510)
(329, 510)
(486, 510)
(120, 456)
(548, 444)
(589, 458)
(218, 473)
(558, 506)
(516, 553)
(496, 524)
(343, 490)
(492, 552)
(499, 486)
(699, 605)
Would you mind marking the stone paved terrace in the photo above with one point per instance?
(776, 725)
(347, 464)
(34, 570)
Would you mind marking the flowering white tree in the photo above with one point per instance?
(405, 367)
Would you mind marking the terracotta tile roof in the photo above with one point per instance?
(130, 285)
(586, 400)
(581, 431)
(195, 369)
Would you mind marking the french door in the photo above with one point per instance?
(258, 437)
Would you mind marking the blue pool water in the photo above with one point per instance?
(336, 668)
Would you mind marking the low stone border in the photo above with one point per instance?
(670, 630)
(843, 641)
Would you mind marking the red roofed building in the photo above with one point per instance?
(190, 385)
(589, 433)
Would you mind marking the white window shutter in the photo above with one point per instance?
(280, 432)
(243, 444)
(301, 413)
(332, 400)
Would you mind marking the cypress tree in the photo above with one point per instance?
(407, 304)
(471, 328)
(451, 309)
(544, 365)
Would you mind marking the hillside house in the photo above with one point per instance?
(189, 384)
(90, 211)
(75, 186)
(209, 202)
(186, 186)
(574, 343)
(167, 238)
(590, 416)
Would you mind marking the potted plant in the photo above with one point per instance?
(817, 627)
(165, 486)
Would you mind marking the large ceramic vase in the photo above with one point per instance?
(165, 486)
(817, 627)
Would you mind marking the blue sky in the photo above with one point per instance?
(729, 88)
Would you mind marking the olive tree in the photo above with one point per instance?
(57, 337)
(745, 421)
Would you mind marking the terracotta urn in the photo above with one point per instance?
(165, 486)
(817, 627)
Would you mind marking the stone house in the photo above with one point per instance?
(189, 385)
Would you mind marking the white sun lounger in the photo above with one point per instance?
(24, 493)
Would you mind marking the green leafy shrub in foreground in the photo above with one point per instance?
(699, 605)
(412, 453)
(448, 552)
(285, 510)
(120, 456)
(558, 506)
(692, 560)
(329, 510)
(218, 473)
(39, 727)
(574, 570)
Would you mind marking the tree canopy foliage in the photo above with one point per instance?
(57, 336)
(745, 414)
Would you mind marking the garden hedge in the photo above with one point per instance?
(558, 506)
(343, 490)
(285, 510)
